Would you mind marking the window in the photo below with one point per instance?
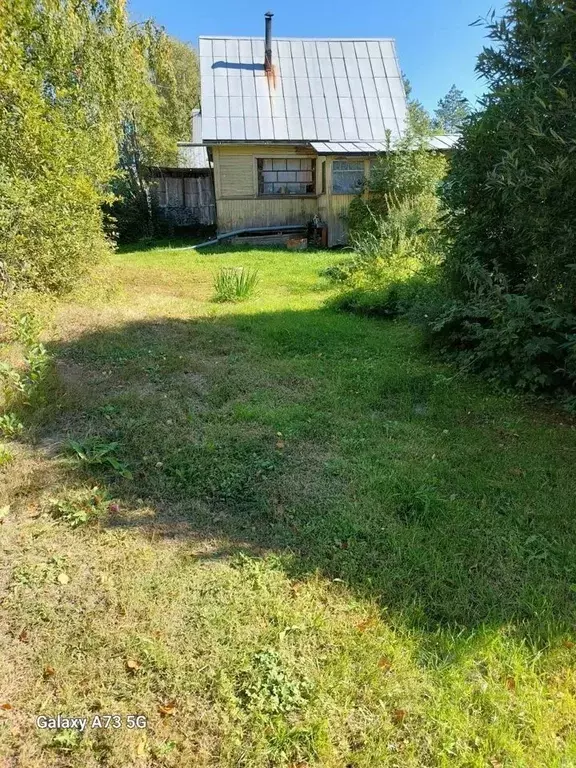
(286, 177)
(347, 176)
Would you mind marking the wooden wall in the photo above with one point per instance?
(187, 200)
(238, 204)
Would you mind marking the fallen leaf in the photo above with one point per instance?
(3, 513)
(295, 588)
(399, 715)
(280, 444)
(510, 683)
(23, 636)
(385, 664)
(113, 507)
(63, 578)
(49, 671)
(168, 708)
(6, 706)
(133, 665)
(568, 644)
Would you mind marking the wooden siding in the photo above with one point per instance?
(238, 204)
(264, 212)
(235, 176)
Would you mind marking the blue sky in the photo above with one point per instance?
(435, 43)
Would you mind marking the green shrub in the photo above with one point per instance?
(234, 284)
(511, 207)
(511, 339)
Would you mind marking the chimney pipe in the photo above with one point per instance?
(268, 42)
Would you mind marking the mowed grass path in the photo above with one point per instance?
(327, 549)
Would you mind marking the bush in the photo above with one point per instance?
(511, 339)
(234, 284)
(512, 209)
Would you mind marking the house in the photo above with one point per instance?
(292, 125)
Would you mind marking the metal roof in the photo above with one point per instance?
(192, 155)
(321, 90)
(439, 143)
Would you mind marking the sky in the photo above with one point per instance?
(435, 43)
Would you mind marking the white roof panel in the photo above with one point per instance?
(444, 142)
(328, 90)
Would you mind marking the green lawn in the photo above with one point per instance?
(309, 544)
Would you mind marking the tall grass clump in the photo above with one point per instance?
(234, 284)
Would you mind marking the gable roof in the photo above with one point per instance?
(320, 90)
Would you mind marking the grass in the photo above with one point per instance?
(283, 534)
(234, 284)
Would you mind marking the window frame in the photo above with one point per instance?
(357, 161)
(259, 170)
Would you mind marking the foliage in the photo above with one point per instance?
(419, 120)
(415, 295)
(452, 111)
(78, 84)
(61, 82)
(512, 210)
(268, 688)
(165, 90)
(10, 425)
(235, 283)
(23, 385)
(6, 456)
(394, 225)
(512, 339)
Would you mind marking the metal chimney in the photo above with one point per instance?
(268, 42)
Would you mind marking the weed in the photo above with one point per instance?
(267, 687)
(95, 452)
(6, 456)
(26, 328)
(234, 284)
(10, 426)
(24, 384)
(80, 507)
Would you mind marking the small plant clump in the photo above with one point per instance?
(6, 455)
(10, 425)
(81, 507)
(235, 284)
(96, 452)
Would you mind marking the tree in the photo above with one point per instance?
(158, 111)
(419, 120)
(62, 81)
(451, 111)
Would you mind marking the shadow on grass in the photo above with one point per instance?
(330, 441)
